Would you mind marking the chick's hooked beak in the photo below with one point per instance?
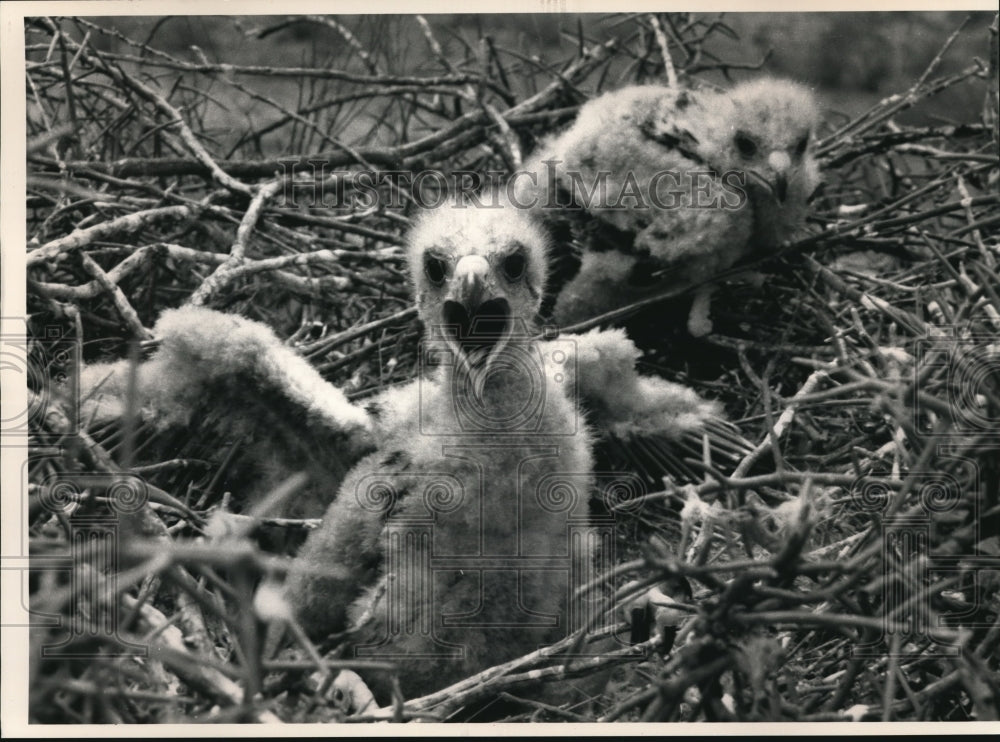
(469, 282)
(779, 163)
(476, 321)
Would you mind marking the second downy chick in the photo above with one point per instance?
(670, 186)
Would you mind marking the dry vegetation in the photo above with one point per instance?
(846, 569)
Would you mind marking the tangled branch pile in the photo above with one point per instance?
(845, 569)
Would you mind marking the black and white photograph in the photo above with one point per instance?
(455, 370)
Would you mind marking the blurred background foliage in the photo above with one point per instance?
(853, 59)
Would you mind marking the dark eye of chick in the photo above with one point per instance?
(514, 265)
(434, 269)
(745, 144)
(800, 148)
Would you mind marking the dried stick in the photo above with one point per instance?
(781, 425)
(121, 303)
(227, 272)
(78, 238)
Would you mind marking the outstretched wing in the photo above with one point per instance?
(643, 423)
(225, 387)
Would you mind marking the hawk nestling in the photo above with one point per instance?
(671, 186)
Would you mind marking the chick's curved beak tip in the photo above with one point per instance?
(779, 163)
(781, 186)
(470, 281)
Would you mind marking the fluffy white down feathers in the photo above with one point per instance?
(438, 551)
(695, 179)
(463, 263)
(199, 346)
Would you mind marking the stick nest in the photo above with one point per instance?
(846, 569)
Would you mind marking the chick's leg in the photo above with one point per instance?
(699, 321)
(339, 559)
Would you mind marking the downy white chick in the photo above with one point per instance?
(445, 550)
(693, 182)
(469, 449)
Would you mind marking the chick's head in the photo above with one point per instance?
(478, 274)
(769, 134)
